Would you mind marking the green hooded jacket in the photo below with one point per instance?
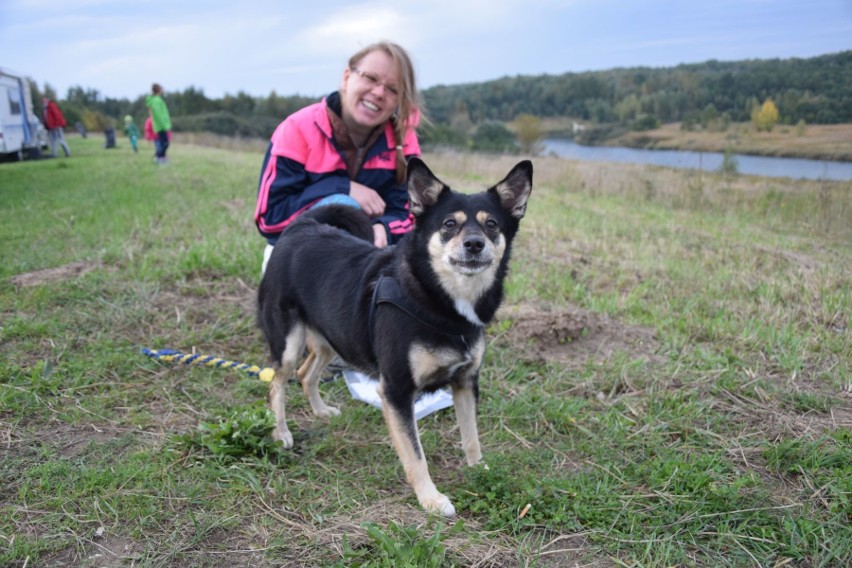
(159, 113)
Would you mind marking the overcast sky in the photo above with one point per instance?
(119, 47)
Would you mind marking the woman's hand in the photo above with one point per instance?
(380, 236)
(370, 201)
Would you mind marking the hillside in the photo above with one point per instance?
(816, 90)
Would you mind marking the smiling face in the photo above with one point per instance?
(367, 92)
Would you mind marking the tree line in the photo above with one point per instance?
(815, 90)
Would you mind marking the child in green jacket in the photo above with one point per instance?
(132, 132)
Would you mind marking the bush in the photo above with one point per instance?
(645, 122)
(493, 137)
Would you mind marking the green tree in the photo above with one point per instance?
(709, 116)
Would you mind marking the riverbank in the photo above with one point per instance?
(816, 142)
(770, 166)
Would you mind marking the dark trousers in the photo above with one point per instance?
(162, 143)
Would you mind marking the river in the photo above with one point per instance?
(708, 161)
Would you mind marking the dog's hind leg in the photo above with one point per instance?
(399, 416)
(309, 360)
(295, 345)
(309, 374)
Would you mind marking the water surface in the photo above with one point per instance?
(795, 168)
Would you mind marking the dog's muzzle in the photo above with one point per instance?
(475, 255)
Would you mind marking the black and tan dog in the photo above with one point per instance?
(411, 315)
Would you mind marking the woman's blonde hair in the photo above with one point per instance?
(410, 107)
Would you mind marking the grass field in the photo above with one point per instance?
(668, 383)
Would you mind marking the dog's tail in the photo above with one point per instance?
(344, 217)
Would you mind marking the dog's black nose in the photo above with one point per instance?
(474, 244)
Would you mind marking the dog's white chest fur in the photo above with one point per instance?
(465, 309)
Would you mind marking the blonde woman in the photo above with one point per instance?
(349, 148)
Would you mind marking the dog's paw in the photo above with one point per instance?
(285, 437)
(327, 412)
(477, 461)
(440, 504)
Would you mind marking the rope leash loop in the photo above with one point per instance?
(265, 374)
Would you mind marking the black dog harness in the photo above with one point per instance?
(388, 291)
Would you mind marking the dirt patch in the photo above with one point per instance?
(98, 549)
(570, 335)
(57, 274)
(70, 441)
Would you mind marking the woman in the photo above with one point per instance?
(349, 148)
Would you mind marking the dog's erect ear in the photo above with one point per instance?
(515, 189)
(423, 187)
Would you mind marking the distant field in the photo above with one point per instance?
(816, 141)
(669, 382)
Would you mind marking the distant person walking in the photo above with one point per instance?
(132, 132)
(160, 121)
(54, 120)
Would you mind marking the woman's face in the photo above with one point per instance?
(369, 91)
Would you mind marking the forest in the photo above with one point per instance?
(815, 90)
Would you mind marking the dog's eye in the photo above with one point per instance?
(491, 224)
(450, 224)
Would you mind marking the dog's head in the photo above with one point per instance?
(467, 236)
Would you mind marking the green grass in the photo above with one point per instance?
(668, 386)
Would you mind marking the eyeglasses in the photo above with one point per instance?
(372, 80)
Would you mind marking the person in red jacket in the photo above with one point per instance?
(349, 148)
(54, 120)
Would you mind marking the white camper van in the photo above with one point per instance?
(22, 134)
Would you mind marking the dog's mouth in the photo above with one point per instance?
(470, 265)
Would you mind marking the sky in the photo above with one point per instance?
(300, 47)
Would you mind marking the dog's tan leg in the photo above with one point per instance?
(278, 387)
(277, 403)
(406, 441)
(309, 360)
(464, 402)
(309, 375)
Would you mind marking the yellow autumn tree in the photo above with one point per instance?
(765, 117)
(530, 131)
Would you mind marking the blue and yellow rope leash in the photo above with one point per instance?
(265, 374)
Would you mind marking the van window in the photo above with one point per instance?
(14, 102)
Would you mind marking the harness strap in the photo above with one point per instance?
(388, 291)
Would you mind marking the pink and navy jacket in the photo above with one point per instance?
(303, 165)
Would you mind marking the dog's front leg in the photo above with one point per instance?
(464, 401)
(399, 416)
